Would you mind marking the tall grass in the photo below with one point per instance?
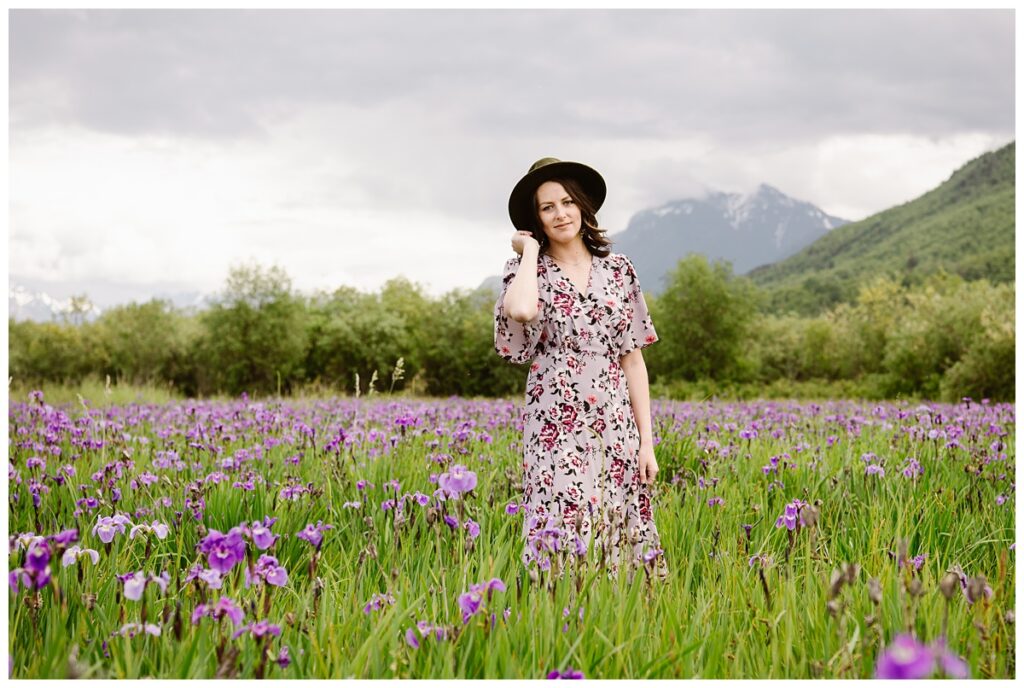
(710, 619)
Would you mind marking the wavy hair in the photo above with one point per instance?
(593, 236)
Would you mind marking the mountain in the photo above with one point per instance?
(25, 304)
(51, 301)
(963, 226)
(745, 229)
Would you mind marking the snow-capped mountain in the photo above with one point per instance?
(25, 304)
(37, 301)
(747, 230)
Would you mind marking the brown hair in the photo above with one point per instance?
(593, 236)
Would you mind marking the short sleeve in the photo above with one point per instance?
(639, 331)
(515, 341)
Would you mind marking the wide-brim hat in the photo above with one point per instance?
(520, 202)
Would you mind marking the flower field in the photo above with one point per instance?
(381, 538)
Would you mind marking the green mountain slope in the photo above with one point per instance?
(964, 226)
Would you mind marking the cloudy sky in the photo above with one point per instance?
(152, 150)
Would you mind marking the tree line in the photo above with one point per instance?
(945, 338)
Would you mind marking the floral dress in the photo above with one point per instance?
(581, 483)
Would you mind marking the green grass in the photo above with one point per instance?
(709, 620)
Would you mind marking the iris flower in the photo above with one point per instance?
(73, 553)
(314, 534)
(456, 481)
(135, 583)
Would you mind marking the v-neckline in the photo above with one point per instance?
(590, 276)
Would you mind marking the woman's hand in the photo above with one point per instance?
(648, 465)
(520, 240)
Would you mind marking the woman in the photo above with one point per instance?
(577, 311)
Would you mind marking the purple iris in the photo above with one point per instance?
(457, 480)
(133, 629)
(949, 662)
(28, 578)
(314, 534)
(157, 528)
(73, 553)
(789, 518)
(905, 658)
(223, 550)
(267, 569)
(377, 602)
(37, 558)
(258, 629)
(260, 533)
(473, 528)
(283, 660)
(211, 577)
(64, 537)
(469, 602)
(426, 629)
(135, 583)
(108, 526)
(568, 673)
(224, 607)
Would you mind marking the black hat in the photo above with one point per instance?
(520, 203)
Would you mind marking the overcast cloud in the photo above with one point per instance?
(349, 146)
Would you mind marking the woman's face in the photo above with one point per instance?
(559, 215)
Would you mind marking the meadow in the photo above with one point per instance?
(381, 537)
